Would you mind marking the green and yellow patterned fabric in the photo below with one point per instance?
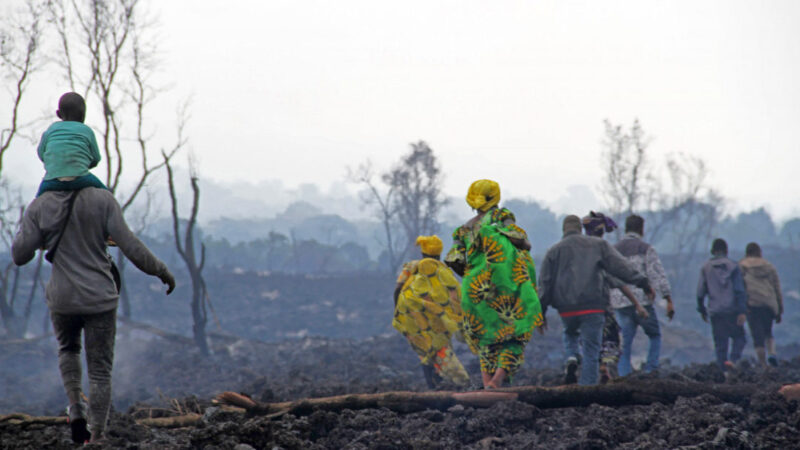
(498, 293)
(428, 314)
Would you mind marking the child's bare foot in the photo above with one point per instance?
(498, 378)
(486, 378)
(493, 385)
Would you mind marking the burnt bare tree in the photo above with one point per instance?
(382, 202)
(629, 184)
(691, 208)
(409, 201)
(688, 214)
(417, 181)
(21, 36)
(107, 51)
(186, 247)
(11, 213)
(11, 276)
(682, 211)
(20, 58)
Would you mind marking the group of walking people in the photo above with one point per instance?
(494, 309)
(601, 291)
(747, 291)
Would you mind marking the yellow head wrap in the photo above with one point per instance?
(483, 194)
(430, 245)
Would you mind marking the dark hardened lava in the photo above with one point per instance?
(320, 367)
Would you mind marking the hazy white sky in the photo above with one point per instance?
(510, 90)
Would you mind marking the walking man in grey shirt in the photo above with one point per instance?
(645, 259)
(81, 293)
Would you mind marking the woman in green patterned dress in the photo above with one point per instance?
(498, 295)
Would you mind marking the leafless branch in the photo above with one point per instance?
(173, 197)
(629, 184)
(364, 175)
(20, 40)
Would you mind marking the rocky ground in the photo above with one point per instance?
(173, 379)
(264, 345)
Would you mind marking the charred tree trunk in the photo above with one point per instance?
(186, 420)
(24, 420)
(630, 392)
(7, 293)
(32, 294)
(186, 250)
(199, 316)
(9, 318)
(615, 394)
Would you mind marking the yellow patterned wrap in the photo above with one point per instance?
(483, 194)
(428, 314)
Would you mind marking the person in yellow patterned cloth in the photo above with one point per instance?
(428, 313)
(498, 292)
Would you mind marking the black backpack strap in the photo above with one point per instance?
(52, 252)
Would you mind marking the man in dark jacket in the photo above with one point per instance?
(721, 280)
(572, 279)
(81, 293)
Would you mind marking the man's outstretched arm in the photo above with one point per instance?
(133, 248)
(618, 266)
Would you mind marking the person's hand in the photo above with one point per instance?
(703, 314)
(641, 311)
(778, 319)
(169, 280)
(740, 319)
(670, 309)
(651, 294)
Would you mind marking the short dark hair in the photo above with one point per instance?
(752, 249)
(635, 224)
(72, 107)
(572, 223)
(719, 247)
